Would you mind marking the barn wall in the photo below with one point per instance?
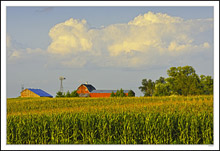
(102, 94)
(28, 93)
(82, 89)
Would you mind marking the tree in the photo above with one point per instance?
(162, 89)
(74, 94)
(68, 94)
(147, 87)
(117, 94)
(160, 80)
(59, 94)
(112, 94)
(131, 93)
(183, 80)
(121, 93)
(206, 85)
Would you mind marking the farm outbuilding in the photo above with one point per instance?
(35, 93)
(87, 90)
(104, 93)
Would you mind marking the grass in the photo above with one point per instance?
(134, 120)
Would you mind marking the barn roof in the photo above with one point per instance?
(40, 92)
(89, 87)
(107, 91)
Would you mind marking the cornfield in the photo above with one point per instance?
(125, 120)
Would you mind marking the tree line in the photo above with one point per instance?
(120, 93)
(181, 81)
(67, 94)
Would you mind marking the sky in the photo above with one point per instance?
(108, 47)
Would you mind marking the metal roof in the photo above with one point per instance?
(107, 91)
(89, 87)
(40, 92)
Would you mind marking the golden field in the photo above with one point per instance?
(120, 120)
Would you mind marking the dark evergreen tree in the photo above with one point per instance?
(68, 94)
(131, 93)
(122, 94)
(112, 94)
(117, 94)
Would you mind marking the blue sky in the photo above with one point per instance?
(110, 47)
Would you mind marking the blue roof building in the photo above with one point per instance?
(35, 93)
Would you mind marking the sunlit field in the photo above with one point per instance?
(125, 120)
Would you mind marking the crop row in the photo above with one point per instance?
(124, 128)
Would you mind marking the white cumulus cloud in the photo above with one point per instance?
(70, 36)
(146, 40)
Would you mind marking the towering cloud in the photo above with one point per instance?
(143, 41)
(70, 37)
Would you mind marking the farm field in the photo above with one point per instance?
(117, 120)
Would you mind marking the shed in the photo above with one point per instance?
(34, 93)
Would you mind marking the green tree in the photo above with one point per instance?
(147, 87)
(122, 94)
(117, 94)
(68, 94)
(131, 93)
(160, 80)
(183, 80)
(162, 89)
(206, 85)
(74, 94)
(59, 94)
(112, 94)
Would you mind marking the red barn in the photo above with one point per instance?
(87, 90)
(84, 90)
(104, 93)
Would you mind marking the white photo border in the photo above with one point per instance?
(4, 5)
